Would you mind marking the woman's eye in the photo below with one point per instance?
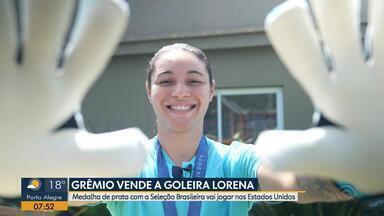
(164, 82)
(195, 82)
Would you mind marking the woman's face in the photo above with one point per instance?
(180, 91)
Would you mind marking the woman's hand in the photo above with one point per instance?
(344, 79)
(48, 61)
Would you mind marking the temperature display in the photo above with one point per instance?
(44, 194)
(56, 185)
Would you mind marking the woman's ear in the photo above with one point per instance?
(148, 89)
(212, 90)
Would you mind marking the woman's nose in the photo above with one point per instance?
(181, 91)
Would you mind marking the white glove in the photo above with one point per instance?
(348, 94)
(36, 95)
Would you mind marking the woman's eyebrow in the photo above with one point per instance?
(195, 72)
(165, 73)
(189, 72)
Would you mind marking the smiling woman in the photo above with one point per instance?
(180, 92)
(180, 87)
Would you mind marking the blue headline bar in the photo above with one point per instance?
(162, 184)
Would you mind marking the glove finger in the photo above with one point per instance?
(8, 36)
(291, 32)
(375, 33)
(76, 153)
(123, 150)
(97, 30)
(45, 24)
(326, 152)
(339, 24)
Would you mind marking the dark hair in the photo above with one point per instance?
(179, 46)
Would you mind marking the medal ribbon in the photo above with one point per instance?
(201, 159)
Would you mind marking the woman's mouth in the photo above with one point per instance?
(181, 107)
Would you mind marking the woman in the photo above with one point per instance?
(180, 86)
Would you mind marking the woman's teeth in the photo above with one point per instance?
(181, 108)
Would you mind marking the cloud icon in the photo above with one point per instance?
(34, 184)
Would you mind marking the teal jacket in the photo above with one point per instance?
(237, 160)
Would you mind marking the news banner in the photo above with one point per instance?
(53, 194)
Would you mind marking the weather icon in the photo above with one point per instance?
(34, 184)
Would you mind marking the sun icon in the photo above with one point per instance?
(34, 184)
